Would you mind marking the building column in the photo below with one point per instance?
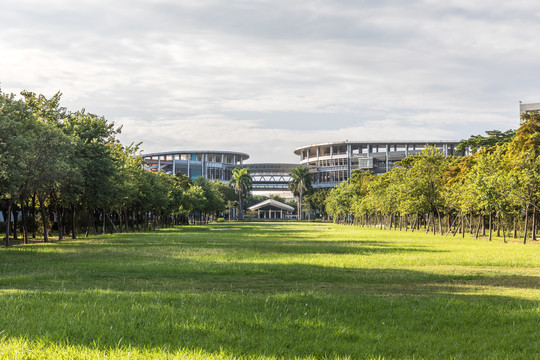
(386, 156)
(173, 165)
(349, 165)
(188, 166)
(159, 163)
(406, 150)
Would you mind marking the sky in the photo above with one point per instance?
(266, 77)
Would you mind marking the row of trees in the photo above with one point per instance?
(495, 188)
(66, 171)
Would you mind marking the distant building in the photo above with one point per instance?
(528, 108)
(333, 163)
(329, 163)
(271, 178)
(213, 165)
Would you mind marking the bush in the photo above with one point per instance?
(251, 214)
(220, 220)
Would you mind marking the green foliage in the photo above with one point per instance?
(494, 137)
(299, 185)
(72, 163)
(242, 182)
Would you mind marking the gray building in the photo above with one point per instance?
(332, 163)
(268, 178)
(528, 108)
(213, 165)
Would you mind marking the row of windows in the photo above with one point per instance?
(368, 149)
(330, 176)
(227, 159)
(332, 162)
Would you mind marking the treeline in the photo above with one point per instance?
(66, 172)
(497, 188)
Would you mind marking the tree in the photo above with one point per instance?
(525, 153)
(242, 182)
(317, 201)
(492, 183)
(16, 144)
(494, 137)
(423, 182)
(300, 183)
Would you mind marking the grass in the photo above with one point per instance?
(267, 291)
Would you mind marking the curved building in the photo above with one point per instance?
(213, 165)
(332, 163)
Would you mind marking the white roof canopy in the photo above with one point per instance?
(271, 202)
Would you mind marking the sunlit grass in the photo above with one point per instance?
(270, 291)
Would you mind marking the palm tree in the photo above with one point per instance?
(242, 181)
(300, 183)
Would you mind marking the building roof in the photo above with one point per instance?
(244, 156)
(297, 151)
(271, 202)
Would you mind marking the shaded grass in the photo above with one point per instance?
(270, 291)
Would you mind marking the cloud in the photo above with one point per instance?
(266, 77)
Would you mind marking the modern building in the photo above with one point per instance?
(272, 209)
(332, 163)
(213, 165)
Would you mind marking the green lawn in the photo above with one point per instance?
(270, 291)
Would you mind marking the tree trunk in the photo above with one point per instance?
(240, 207)
(462, 226)
(440, 222)
(34, 216)
(59, 223)
(478, 227)
(73, 222)
(498, 215)
(428, 223)
(104, 225)
(15, 220)
(8, 221)
(490, 227)
(458, 226)
(526, 224)
(533, 231)
(502, 226)
(433, 220)
(24, 210)
(300, 217)
(450, 226)
(43, 219)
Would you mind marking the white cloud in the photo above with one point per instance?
(182, 74)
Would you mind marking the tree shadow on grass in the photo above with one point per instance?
(282, 322)
(104, 295)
